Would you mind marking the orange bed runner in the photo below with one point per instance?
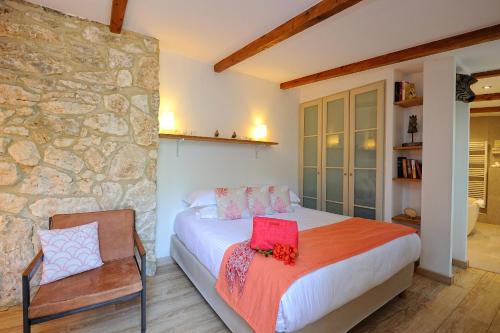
(268, 279)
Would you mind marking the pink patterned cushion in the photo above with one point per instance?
(231, 203)
(259, 200)
(280, 199)
(69, 251)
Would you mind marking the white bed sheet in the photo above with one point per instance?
(316, 294)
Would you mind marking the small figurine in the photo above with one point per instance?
(410, 212)
(412, 129)
(216, 134)
(234, 135)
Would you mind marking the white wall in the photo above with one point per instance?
(328, 87)
(204, 101)
(437, 185)
(460, 182)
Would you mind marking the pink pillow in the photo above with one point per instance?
(231, 203)
(259, 201)
(69, 251)
(280, 199)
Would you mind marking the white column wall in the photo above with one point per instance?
(460, 182)
(437, 155)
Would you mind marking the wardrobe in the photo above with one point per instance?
(341, 152)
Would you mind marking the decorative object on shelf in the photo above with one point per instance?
(404, 90)
(410, 212)
(463, 91)
(216, 134)
(412, 129)
(234, 135)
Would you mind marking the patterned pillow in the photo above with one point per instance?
(259, 200)
(280, 199)
(231, 203)
(69, 251)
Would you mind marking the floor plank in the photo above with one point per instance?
(484, 247)
(471, 304)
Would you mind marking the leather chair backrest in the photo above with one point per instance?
(116, 230)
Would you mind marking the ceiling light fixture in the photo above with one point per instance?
(487, 87)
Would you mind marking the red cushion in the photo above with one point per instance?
(268, 231)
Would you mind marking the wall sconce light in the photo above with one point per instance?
(260, 132)
(167, 121)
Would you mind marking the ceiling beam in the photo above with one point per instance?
(317, 13)
(447, 44)
(485, 110)
(117, 15)
(487, 97)
(487, 74)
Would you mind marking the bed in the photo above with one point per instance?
(331, 299)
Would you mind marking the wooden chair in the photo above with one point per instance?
(120, 279)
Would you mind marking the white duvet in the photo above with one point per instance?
(315, 294)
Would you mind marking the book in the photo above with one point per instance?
(408, 164)
(405, 168)
(400, 166)
(413, 170)
(397, 91)
(419, 169)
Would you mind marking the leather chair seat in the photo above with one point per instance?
(112, 280)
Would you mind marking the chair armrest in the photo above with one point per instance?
(138, 244)
(33, 266)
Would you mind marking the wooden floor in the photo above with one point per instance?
(472, 304)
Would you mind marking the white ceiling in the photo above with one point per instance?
(478, 88)
(210, 30)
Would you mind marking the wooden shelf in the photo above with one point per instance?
(419, 100)
(407, 180)
(405, 219)
(213, 139)
(408, 148)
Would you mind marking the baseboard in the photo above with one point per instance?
(460, 263)
(435, 276)
(164, 261)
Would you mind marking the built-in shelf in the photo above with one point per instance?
(408, 148)
(408, 103)
(213, 139)
(405, 219)
(407, 180)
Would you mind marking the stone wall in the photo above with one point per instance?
(78, 128)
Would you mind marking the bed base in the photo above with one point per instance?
(339, 320)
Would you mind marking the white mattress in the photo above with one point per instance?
(317, 293)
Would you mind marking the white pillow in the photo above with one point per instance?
(201, 198)
(294, 198)
(208, 212)
(69, 251)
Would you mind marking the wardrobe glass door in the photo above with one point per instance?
(336, 153)
(367, 140)
(310, 117)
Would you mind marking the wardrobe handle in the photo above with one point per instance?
(350, 174)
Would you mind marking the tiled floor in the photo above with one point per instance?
(484, 247)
